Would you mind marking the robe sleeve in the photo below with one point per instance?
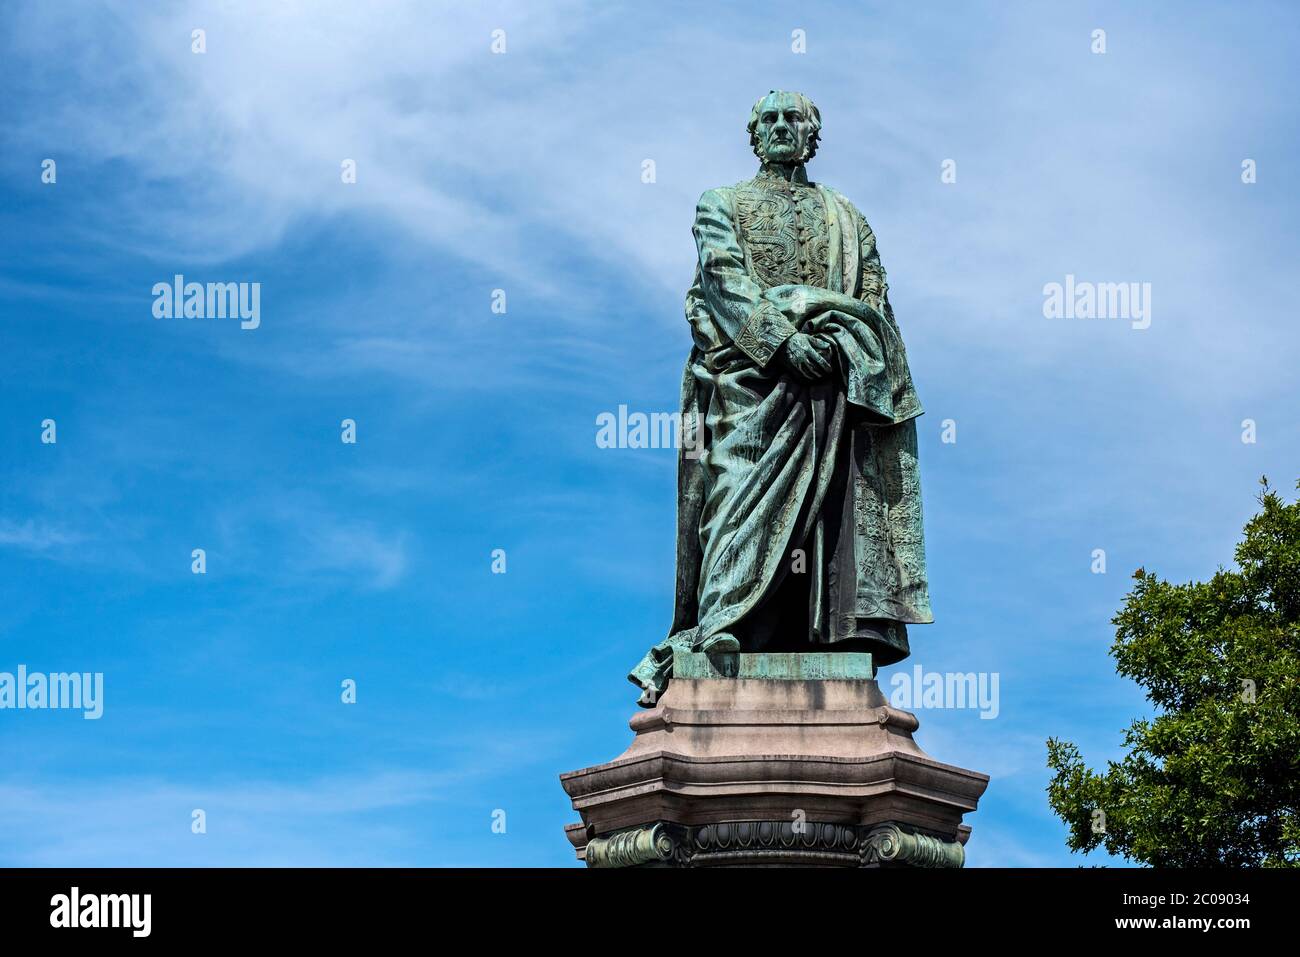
(757, 327)
(874, 289)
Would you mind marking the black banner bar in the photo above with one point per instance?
(330, 906)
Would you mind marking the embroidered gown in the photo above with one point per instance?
(799, 526)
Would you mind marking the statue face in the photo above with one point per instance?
(783, 129)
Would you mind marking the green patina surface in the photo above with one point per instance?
(799, 524)
(815, 666)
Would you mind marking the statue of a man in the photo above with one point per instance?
(799, 511)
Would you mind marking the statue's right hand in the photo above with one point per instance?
(801, 356)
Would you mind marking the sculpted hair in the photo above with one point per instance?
(805, 104)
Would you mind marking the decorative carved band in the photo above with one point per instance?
(629, 848)
(890, 844)
(774, 842)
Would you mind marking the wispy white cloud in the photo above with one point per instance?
(296, 538)
(519, 162)
(252, 133)
(35, 536)
(345, 547)
(127, 822)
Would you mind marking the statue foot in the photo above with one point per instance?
(719, 644)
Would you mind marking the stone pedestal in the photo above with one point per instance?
(793, 759)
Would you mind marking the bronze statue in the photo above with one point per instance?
(799, 522)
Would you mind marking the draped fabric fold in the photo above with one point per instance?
(799, 512)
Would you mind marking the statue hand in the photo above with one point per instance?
(805, 357)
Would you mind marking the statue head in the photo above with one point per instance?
(784, 127)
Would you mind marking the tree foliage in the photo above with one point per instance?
(1214, 779)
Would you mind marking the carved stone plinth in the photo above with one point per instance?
(798, 760)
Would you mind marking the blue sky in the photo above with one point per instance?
(476, 430)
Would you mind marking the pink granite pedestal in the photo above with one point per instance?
(784, 770)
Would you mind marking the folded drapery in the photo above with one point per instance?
(804, 512)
